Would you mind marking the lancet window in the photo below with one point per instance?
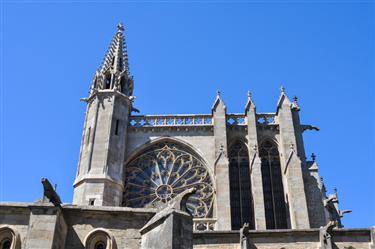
(240, 186)
(274, 201)
(163, 171)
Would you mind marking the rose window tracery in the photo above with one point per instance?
(162, 172)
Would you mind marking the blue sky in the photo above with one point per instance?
(180, 53)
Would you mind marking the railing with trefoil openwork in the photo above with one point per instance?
(197, 120)
(266, 118)
(171, 120)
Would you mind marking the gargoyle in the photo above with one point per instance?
(49, 193)
(309, 127)
(332, 206)
(135, 110)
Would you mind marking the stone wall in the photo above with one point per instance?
(290, 239)
(45, 226)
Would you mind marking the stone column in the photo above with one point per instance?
(291, 165)
(221, 166)
(47, 228)
(255, 166)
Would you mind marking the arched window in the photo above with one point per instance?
(164, 170)
(274, 201)
(99, 238)
(9, 238)
(240, 186)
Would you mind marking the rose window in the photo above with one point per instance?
(162, 172)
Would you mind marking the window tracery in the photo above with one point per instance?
(240, 186)
(163, 171)
(273, 192)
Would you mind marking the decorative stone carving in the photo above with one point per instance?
(309, 127)
(244, 231)
(325, 235)
(332, 206)
(162, 172)
(49, 193)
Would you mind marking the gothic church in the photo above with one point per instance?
(215, 180)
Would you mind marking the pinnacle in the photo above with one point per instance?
(120, 26)
(282, 89)
(218, 93)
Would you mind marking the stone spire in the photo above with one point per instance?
(117, 54)
(114, 72)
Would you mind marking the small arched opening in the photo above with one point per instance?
(99, 239)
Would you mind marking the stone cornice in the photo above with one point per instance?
(128, 99)
(96, 178)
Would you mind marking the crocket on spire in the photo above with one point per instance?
(114, 72)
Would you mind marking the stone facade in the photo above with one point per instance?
(133, 169)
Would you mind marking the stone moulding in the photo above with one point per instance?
(99, 234)
(7, 232)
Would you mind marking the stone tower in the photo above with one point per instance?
(99, 175)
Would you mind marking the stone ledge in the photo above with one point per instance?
(68, 207)
(282, 235)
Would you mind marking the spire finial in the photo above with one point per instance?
(282, 89)
(295, 105)
(313, 157)
(120, 27)
(218, 93)
(249, 94)
(335, 191)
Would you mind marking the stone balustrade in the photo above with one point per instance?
(195, 120)
(266, 118)
(171, 120)
(236, 119)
